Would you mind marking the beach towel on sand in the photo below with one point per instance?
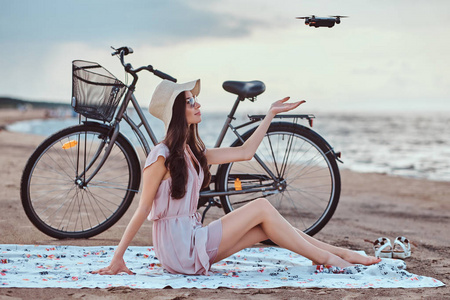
(69, 267)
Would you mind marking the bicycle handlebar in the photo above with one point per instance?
(122, 51)
(163, 75)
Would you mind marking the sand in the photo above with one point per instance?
(371, 206)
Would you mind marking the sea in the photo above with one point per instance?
(415, 145)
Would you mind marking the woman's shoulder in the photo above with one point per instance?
(159, 150)
(161, 147)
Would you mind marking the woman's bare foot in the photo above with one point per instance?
(336, 261)
(356, 258)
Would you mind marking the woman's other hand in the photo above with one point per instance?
(115, 267)
(281, 106)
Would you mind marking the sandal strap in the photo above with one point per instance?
(381, 244)
(382, 241)
(402, 242)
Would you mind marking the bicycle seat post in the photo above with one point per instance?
(228, 120)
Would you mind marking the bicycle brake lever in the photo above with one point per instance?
(115, 51)
(126, 50)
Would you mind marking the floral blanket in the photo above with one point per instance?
(33, 266)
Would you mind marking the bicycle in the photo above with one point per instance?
(81, 180)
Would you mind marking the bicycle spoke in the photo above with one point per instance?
(46, 193)
(58, 181)
(87, 216)
(94, 198)
(53, 170)
(58, 208)
(64, 218)
(307, 166)
(111, 179)
(105, 199)
(273, 156)
(67, 155)
(299, 216)
(124, 188)
(311, 196)
(286, 155)
(94, 211)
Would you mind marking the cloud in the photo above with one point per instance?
(156, 22)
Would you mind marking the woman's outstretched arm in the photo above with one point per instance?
(248, 149)
(152, 177)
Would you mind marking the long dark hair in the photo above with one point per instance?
(177, 134)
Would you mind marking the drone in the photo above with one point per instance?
(321, 21)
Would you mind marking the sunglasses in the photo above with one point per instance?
(192, 101)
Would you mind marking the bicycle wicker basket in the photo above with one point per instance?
(95, 91)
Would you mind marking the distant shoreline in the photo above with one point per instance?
(12, 115)
(13, 103)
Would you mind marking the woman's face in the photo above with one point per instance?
(193, 114)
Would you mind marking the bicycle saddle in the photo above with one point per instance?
(245, 89)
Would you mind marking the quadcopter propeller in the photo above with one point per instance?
(310, 17)
(338, 18)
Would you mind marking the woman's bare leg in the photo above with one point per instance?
(242, 222)
(256, 235)
(346, 254)
(253, 236)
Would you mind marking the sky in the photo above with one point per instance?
(388, 56)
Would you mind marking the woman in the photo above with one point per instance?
(174, 173)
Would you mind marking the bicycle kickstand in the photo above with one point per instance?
(211, 202)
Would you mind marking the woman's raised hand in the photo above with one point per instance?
(281, 105)
(116, 266)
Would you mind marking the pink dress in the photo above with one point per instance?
(181, 244)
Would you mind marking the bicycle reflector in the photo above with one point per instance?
(237, 184)
(69, 144)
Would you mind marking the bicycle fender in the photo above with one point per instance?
(96, 124)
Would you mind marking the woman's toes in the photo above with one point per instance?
(371, 260)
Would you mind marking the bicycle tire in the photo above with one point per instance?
(61, 208)
(310, 194)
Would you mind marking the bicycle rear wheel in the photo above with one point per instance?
(53, 194)
(307, 183)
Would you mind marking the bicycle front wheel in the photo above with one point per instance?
(298, 174)
(53, 192)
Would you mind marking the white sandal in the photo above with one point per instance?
(402, 248)
(383, 248)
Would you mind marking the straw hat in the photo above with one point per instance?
(164, 97)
